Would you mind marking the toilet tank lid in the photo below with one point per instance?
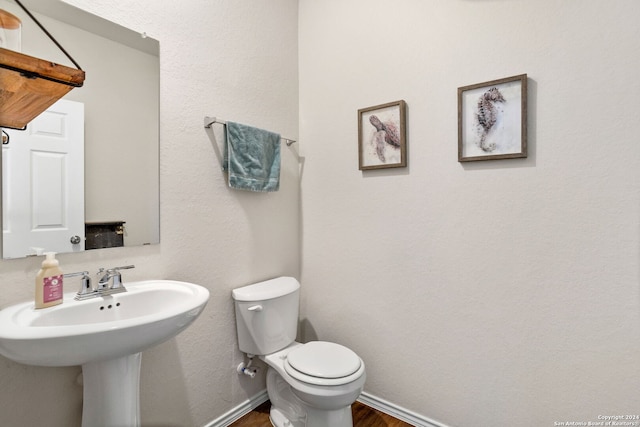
(266, 290)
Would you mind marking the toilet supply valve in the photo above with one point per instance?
(251, 372)
(247, 369)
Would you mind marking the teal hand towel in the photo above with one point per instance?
(252, 158)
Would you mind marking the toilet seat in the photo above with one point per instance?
(323, 363)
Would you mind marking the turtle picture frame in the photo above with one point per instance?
(382, 141)
(492, 120)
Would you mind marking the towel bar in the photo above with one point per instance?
(208, 121)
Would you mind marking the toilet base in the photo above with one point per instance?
(288, 410)
(278, 419)
(339, 418)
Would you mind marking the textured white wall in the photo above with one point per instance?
(237, 60)
(499, 293)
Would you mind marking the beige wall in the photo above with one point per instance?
(237, 60)
(502, 293)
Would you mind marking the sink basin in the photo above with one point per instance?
(105, 335)
(78, 332)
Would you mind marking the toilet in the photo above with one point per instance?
(309, 385)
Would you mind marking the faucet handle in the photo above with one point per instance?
(85, 284)
(117, 277)
(107, 274)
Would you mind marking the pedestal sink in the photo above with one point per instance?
(105, 335)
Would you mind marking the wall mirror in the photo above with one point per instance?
(120, 126)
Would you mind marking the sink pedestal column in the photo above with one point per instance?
(112, 392)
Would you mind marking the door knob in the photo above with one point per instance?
(75, 240)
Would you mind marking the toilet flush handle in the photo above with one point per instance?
(255, 308)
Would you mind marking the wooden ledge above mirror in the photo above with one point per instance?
(30, 85)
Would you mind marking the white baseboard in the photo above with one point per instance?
(397, 411)
(239, 411)
(368, 399)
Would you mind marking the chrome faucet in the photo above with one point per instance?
(113, 275)
(104, 287)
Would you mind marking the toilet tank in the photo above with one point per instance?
(267, 315)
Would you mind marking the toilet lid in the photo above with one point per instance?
(322, 359)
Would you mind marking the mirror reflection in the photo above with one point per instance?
(115, 113)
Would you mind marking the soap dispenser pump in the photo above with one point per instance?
(49, 289)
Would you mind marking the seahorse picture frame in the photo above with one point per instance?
(492, 120)
(382, 136)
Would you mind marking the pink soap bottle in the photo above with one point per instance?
(49, 289)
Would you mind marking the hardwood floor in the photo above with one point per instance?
(363, 416)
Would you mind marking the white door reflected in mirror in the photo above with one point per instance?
(43, 184)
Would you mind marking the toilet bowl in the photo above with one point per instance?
(309, 385)
(323, 378)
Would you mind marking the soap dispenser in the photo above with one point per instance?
(49, 289)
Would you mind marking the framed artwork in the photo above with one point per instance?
(382, 136)
(492, 120)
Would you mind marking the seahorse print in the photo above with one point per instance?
(487, 115)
